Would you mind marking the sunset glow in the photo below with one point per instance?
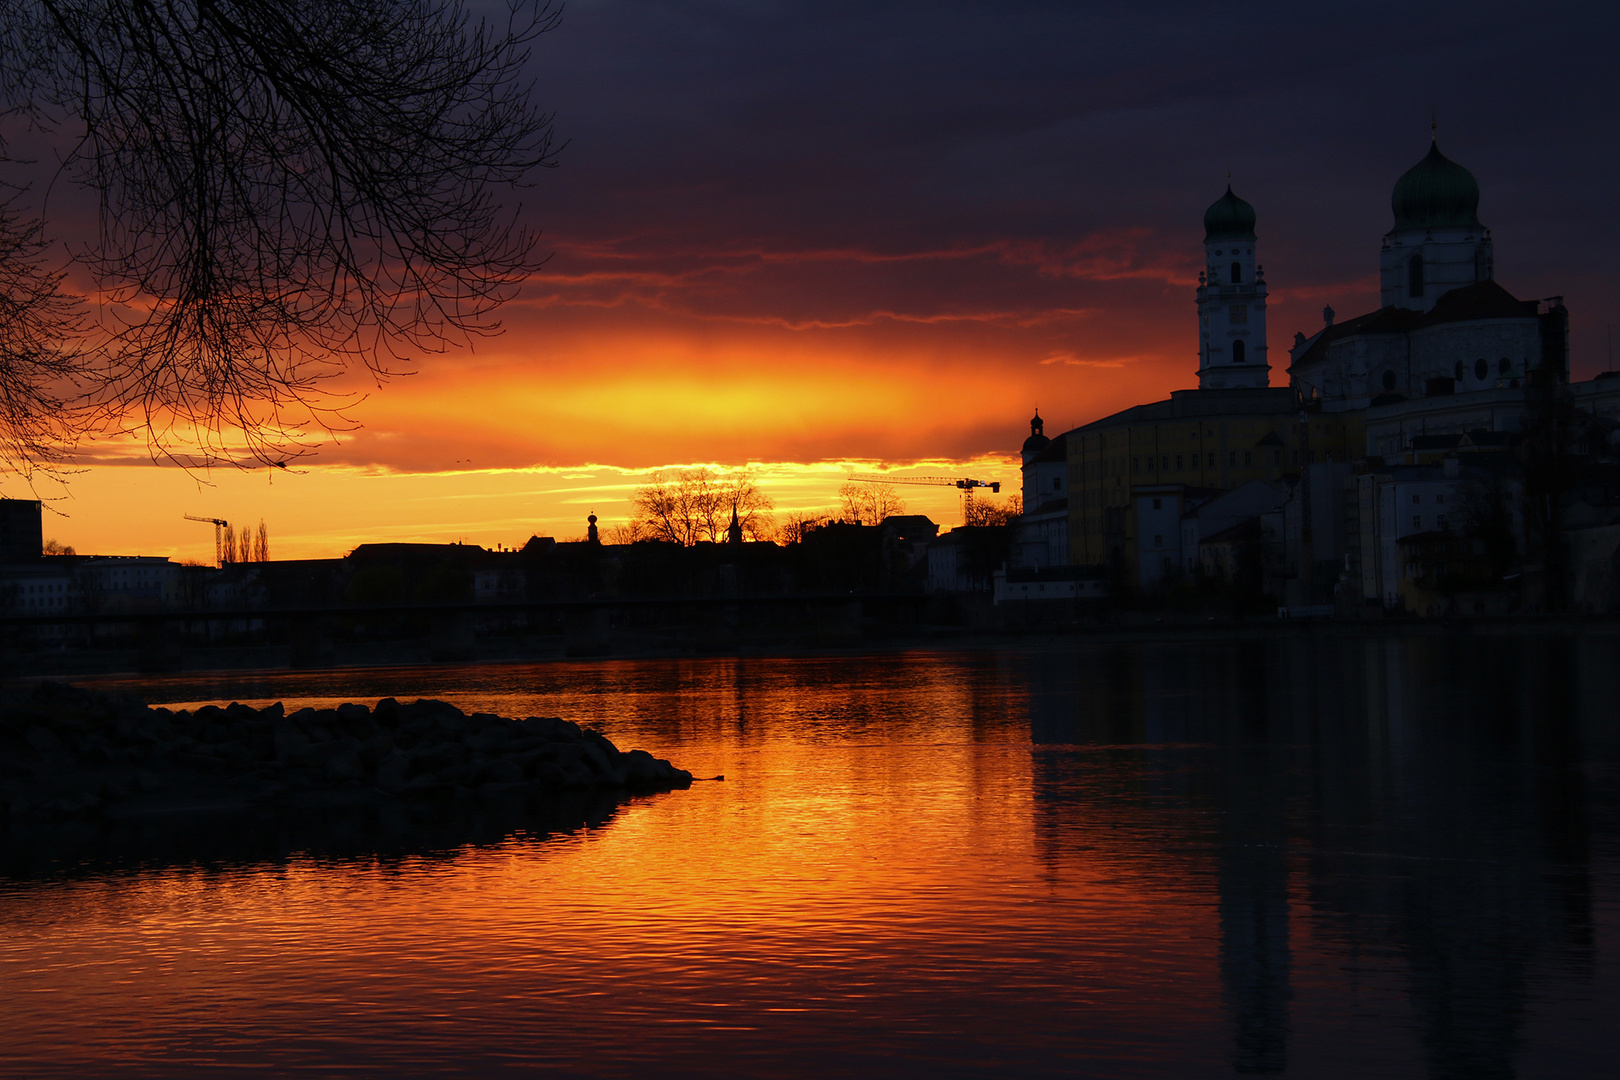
(780, 249)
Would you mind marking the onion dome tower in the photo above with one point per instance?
(1231, 301)
(1438, 242)
(1037, 441)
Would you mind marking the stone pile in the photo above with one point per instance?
(65, 751)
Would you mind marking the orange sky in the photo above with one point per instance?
(882, 241)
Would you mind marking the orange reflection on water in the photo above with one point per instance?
(868, 874)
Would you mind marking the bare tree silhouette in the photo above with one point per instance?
(286, 190)
(867, 503)
(686, 506)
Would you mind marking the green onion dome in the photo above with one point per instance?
(1229, 218)
(1436, 193)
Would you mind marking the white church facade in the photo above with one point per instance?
(1444, 377)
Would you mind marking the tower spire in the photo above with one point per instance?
(1231, 300)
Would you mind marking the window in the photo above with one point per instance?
(1157, 504)
(1158, 540)
(1417, 521)
(1136, 464)
(1440, 523)
(1276, 457)
(1457, 372)
(1237, 313)
(1441, 499)
(1164, 463)
(1239, 352)
(1503, 366)
(1057, 483)
(1417, 499)
(1212, 459)
(1248, 457)
(1414, 276)
(1178, 463)
(1481, 368)
(1388, 380)
(1231, 458)
(1237, 273)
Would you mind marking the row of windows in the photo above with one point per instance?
(1190, 461)
(1482, 371)
(1482, 368)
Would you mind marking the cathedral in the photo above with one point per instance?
(1449, 363)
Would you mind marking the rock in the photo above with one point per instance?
(438, 757)
(600, 741)
(387, 712)
(548, 773)
(289, 741)
(393, 772)
(43, 740)
(68, 752)
(344, 765)
(356, 720)
(506, 771)
(376, 749)
(598, 761)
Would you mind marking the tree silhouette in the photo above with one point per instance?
(862, 503)
(984, 512)
(689, 506)
(284, 190)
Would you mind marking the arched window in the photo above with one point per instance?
(1388, 380)
(1414, 275)
(1238, 351)
(1504, 366)
(1237, 273)
(1481, 368)
(1458, 372)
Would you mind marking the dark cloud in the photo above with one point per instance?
(706, 135)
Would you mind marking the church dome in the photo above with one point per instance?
(1036, 441)
(1229, 218)
(1436, 193)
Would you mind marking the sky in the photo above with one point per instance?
(807, 239)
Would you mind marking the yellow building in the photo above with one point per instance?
(1153, 458)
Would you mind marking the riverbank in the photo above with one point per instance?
(1122, 628)
(73, 753)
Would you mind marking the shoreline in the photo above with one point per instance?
(124, 665)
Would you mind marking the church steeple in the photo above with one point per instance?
(1231, 300)
(1037, 440)
(1438, 242)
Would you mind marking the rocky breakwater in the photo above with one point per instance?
(68, 752)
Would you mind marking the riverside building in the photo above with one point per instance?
(1451, 366)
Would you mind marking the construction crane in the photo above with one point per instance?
(964, 484)
(219, 539)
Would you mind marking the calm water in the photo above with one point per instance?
(1318, 859)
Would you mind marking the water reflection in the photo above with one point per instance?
(1422, 799)
(1335, 857)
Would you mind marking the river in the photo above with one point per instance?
(1316, 858)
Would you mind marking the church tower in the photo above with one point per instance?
(1231, 301)
(1438, 243)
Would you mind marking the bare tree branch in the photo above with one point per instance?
(287, 190)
